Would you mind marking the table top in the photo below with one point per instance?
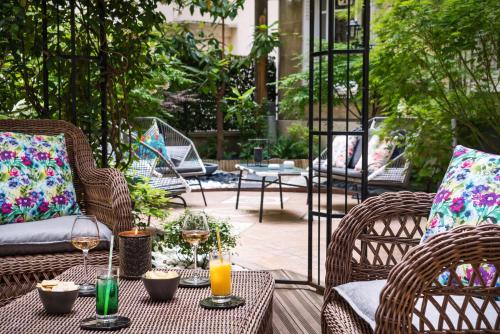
(266, 171)
(180, 315)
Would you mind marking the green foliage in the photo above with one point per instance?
(293, 146)
(133, 65)
(172, 238)
(295, 87)
(435, 62)
(265, 40)
(146, 201)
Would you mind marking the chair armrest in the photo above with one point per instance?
(415, 278)
(107, 197)
(374, 236)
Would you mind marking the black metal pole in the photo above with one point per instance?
(72, 82)
(45, 70)
(365, 102)
(311, 146)
(103, 64)
(330, 120)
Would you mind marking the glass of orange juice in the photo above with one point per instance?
(220, 276)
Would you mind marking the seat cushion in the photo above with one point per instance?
(469, 194)
(379, 153)
(364, 299)
(44, 236)
(36, 180)
(339, 151)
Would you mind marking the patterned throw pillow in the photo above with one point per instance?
(339, 150)
(35, 178)
(154, 139)
(469, 194)
(379, 154)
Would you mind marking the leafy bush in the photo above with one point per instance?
(436, 62)
(172, 238)
(146, 201)
(293, 146)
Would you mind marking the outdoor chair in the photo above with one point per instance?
(159, 172)
(392, 176)
(379, 240)
(102, 192)
(180, 151)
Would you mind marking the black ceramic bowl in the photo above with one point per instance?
(161, 289)
(210, 168)
(58, 302)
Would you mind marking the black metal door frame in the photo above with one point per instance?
(316, 57)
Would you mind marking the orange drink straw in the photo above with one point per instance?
(219, 244)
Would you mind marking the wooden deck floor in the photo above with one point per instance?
(296, 308)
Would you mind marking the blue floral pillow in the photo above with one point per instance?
(153, 139)
(469, 194)
(35, 178)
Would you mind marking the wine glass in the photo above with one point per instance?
(85, 236)
(195, 231)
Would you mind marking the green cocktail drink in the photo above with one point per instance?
(107, 294)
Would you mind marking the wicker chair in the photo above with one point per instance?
(376, 240)
(102, 192)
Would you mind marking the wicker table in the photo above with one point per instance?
(181, 315)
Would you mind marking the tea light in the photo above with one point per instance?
(135, 253)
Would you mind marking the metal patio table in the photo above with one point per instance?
(180, 315)
(268, 176)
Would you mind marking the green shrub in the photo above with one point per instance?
(172, 238)
(435, 61)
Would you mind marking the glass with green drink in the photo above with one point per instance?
(107, 294)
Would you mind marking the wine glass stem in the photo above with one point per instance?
(85, 254)
(195, 254)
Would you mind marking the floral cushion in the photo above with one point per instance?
(339, 150)
(379, 154)
(153, 139)
(469, 194)
(35, 178)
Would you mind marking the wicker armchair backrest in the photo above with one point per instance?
(375, 235)
(79, 151)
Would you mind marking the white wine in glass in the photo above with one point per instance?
(195, 231)
(85, 236)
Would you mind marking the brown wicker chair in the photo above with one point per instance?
(376, 241)
(102, 192)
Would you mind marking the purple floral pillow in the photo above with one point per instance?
(35, 178)
(469, 194)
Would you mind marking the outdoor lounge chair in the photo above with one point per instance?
(160, 173)
(181, 151)
(394, 175)
(379, 240)
(102, 192)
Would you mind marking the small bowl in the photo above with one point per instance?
(161, 289)
(58, 302)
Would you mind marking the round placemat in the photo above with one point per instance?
(94, 325)
(202, 284)
(234, 302)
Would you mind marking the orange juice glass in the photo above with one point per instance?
(220, 277)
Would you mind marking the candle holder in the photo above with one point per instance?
(260, 152)
(135, 253)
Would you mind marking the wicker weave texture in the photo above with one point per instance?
(102, 192)
(377, 240)
(181, 315)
